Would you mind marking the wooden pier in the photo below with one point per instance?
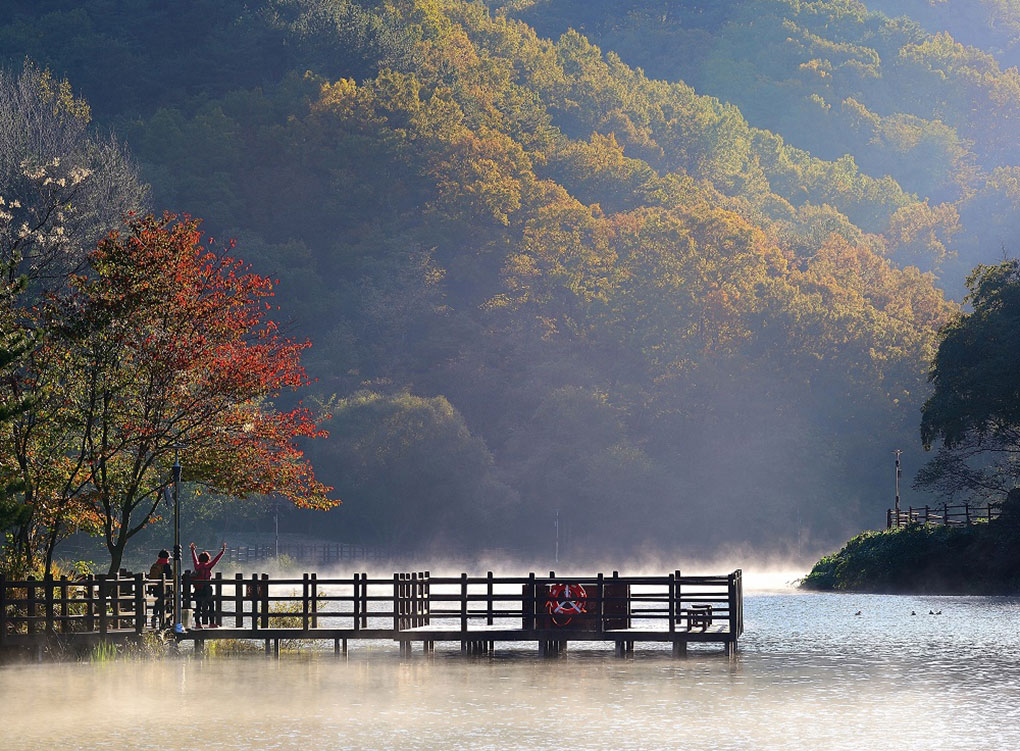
(410, 609)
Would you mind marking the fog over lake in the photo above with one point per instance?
(810, 674)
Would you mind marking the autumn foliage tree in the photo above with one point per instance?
(167, 347)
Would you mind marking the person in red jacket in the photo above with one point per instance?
(203, 589)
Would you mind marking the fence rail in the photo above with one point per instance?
(320, 554)
(961, 515)
(409, 607)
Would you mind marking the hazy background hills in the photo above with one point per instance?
(671, 269)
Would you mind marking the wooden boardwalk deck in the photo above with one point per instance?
(409, 609)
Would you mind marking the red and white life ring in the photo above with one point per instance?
(566, 601)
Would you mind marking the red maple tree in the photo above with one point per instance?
(167, 347)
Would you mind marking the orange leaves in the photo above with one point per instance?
(180, 345)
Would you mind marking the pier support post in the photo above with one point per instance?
(680, 649)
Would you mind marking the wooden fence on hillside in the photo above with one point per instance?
(948, 516)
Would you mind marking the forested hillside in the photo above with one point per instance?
(901, 96)
(674, 286)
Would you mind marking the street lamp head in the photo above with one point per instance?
(177, 470)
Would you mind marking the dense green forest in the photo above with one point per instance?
(901, 95)
(672, 270)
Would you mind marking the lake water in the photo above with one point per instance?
(809, 675)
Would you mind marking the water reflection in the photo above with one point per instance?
(810, 675)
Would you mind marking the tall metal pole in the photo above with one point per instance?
(898, 452)
(557, 556)
(178, 605)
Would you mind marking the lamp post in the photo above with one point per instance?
(898, 452)
(557, 555)
(178, 609)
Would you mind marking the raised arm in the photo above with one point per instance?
(194, 556)
(223, 549)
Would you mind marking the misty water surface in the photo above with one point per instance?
(810, 675)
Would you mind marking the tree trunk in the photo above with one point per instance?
(51, 545)
(116, 555)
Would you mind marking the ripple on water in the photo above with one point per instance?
(810, 675)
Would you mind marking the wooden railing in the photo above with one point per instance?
(320, 554)
(92, 604)
(960, 515)
(412, 605)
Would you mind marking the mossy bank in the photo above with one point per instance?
(978, 559)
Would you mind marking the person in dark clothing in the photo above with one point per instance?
(203, 589)
(162, 572)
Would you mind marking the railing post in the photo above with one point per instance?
(264, 597)
(533, 597)
(356, 601)
(415, 592)
(90, 603)
(966, 512)
(186, 597)
(409, 600)
(116, 598)
(888, 518)
(405, 601)
(427, 593)
(255, 599)
(679, 598)
(488, 598)
(64, 611)
(238, 601)
(731, 587)
(396, 602)
(740, 601)
(945, 514)
(672, 602)
(463, 603)
(364, 599)
(626, 600)
(217, 585)
(139, 585)
(306, 590)
(48, 599)
(600, 611)
(420, 601)
(103, 589)
(30, 600)
(314, 599)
